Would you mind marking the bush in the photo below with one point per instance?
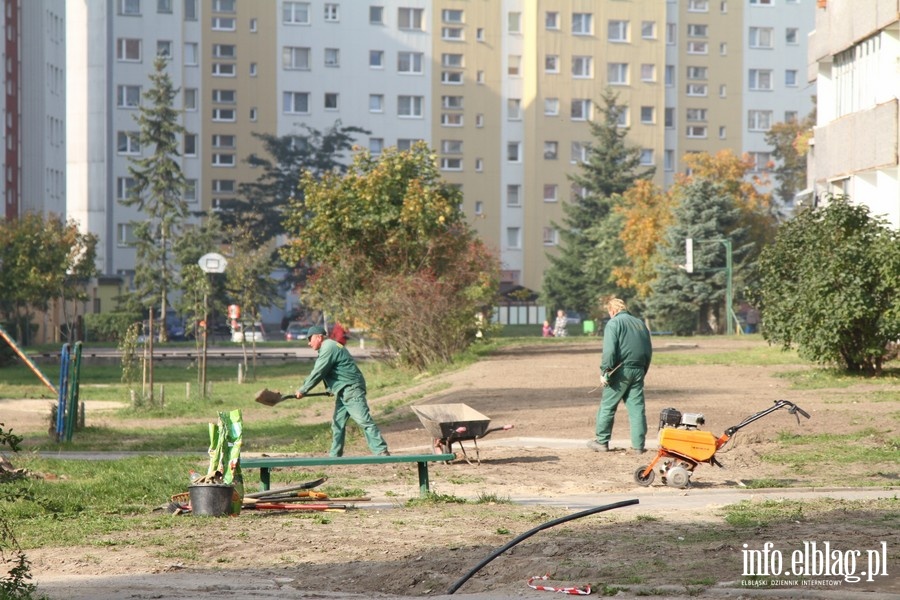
(108, 327)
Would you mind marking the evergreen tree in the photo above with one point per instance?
(158, 192)
(689, 302)
(260, 209)
(589, 239)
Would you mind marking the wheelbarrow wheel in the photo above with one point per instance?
(440, 447)
(640, 479)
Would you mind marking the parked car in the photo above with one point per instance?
(573, 318)
(249, 333)
(296, 332)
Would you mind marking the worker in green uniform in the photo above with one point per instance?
(346, 383)
(626, 359)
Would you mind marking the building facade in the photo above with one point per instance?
(853, 57)
(502, 90)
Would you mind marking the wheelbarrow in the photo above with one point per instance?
(449, 423)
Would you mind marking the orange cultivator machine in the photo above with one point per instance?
(682, 447)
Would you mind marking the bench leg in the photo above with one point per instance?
(264, 479)
(423, 479)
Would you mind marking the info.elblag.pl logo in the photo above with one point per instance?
(812, 563)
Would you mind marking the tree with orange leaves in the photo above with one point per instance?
(646, 213)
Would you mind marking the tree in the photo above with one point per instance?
(646, 212)
(261, 208)
(790, 145)
(391, 249)
(249, 282)
(42, 259)
(830, 285)
(589, 238)
(158, 191)
(687, 302)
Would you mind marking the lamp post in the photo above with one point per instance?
(209, 263)
(689, 267)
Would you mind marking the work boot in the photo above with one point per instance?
(638, 450)
(597, 446)
(385, 453)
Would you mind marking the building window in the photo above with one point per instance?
(761, 160)
(479, 120)
(697, 89)
(514, 65)
(124, 186)
(648, 72)
(405, 144)
(551, 107)
(454, 61)
(582, 23)
(514, 195)
(125, 235)
(223, 69)
(332, 57)
(190, 190)
(761, 2)
(223, 141)
(331, 101)
(697, 31)
(514, 152)
(648, 30)
(223, 159)
(190, 98)
(410, 18)
(128, 49)
(190, 10)
(376, 103)
(128, 142)
(376, 15)
(696, 131)
(760, 79)
(696, 115)
(410, 62)
(513, 238)
(669, 117)
(551, 192)
(790, 78)
(698, 48)
(190, 144)
(452, 102)
(648, 115)
(191, 54)
(617, 31)
(579, 152)
(225, 51)
(761, 37)
(670, 75)
(759, 120)
(452, 77)
(376, 145)
(227, 115)
(514, 22)
(790, 36)
(451, 147)
(479, 34)
(671, 34)
(253, 26)
(617, 73)
(453, 34)
(224, 24)
(376, 59)
(296, 103)
(295, 59)
(697, 73)
(581, 109)
(647, 156)
(698, 6)
(551, 20)
(669, 160)
(223, 186)
(164, 48)
(551, 63)
(551, 236)
(479, 164)
(551, 150)
(129, 7)
(479, 207)
(449, 15)
(332, 13)
(164, 7)
(410, 106)
(452, 119)
(582, 67)
(722, 132)
(254, 114)
(514, 109)
(128, 96)
(226, 6)
(295, 13)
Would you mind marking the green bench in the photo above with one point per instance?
(265, 464)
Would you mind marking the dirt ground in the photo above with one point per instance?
(548, 394)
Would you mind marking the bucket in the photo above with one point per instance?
(212, 500)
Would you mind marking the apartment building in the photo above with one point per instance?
(33, 160)
(853, 57)
(503, 90)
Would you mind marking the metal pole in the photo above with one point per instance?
(205, 337)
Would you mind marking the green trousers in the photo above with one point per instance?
(626, 385)
(349, 403)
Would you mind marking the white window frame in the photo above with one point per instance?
(760, 80)
(452, 77)
(617, 73)
(582, 23)
(189, 96)
(223, 159)
(124, 93)
(551, 150)
(410, 19)
(331, 101)
(551, 20)
(376, 103)
(376, 59)
(551, 107)
(696, 132)
(376, 15)
(761, 38)
(455, 16)
(332, 57)
(760, 120)
(514, 195)
(224, 24)
(551, 63)
(617, 31)
(410, 107)
(699, 90)
(648, 30)
(292, 58)
(581, 109)
(290, 101)
(514, 238)
(223, 141)
(453, 34)
(648, 72)
(697, 47)
(551, 236)
(791, 78)
(124, 186)
(452, 119)
(551, 192)
(128, 143)
(220, 69)
(582, 67)
(296, 13)
(514, 152)
(332, 12)
(410, 63)
(224, 96)
(224, 115)
(648, 115)
(129, 7)
(191, 54)
(227, 51)
(129, 49)
(698, 5)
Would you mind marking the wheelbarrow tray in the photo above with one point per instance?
(442, 421)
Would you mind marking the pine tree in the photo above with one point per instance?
(589, 239)
(158, 192)
(690, 302)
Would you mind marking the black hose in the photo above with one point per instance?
(531, 532)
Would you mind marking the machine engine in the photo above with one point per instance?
(670, 417)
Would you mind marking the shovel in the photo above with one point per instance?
(273, 397)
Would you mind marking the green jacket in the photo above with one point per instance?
(626, 341)
(336, 368)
